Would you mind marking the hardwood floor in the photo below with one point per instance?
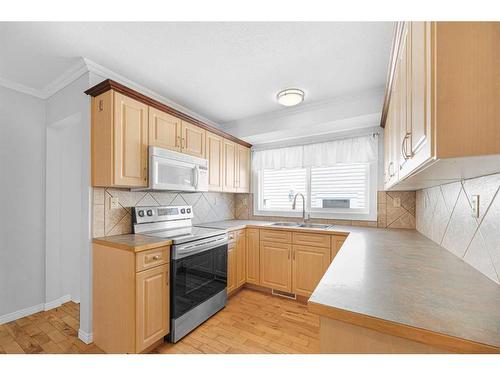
(252, 322)
(53, 331)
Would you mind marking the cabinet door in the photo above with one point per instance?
(164, 130)
(253, 256)
(337, 242)
(193, 140)
(131, 142)
(231, 267)
(215, 158)
(418, 142)
(241, 255)
(404, 101)
(152, 306)
(276, 266)
(309, 266)
(243, 169)
(229, 179)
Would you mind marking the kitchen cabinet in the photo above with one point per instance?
(232, 279)
(215, 156)
(119, 141)
(125, 123)
(242, 173)
(308, 267)
(442, 109)
(275, 265)
(152, 306)
(253, 256)
(241, 254)
(229, 152)
(131, 300)
(337, 242)
(164, 130)
(193, 139)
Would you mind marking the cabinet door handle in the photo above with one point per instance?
(406, 156)
(391, 164)
(293, 254)
(178, 141)
(101, 105)
(289, 254)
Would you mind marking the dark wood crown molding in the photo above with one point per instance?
(395, 49)
(109, 84)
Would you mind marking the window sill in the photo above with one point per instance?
(320, 215)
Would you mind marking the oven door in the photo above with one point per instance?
(196, 278)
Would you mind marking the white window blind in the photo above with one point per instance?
(278, 188)
(344, 186)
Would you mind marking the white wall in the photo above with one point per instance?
(22, 197)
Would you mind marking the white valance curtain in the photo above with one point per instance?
(343, 151)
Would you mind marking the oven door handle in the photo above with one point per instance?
(180, 252)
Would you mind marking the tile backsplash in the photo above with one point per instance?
(388, 216)
(109, 221)
(444, 214)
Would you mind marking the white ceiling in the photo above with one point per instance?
(223, 71)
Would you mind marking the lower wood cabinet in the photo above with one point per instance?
(275, 265)
(241, 272)
(152, 306)
(232, 283)
(253, 256)
(130, 298)
(308, 267)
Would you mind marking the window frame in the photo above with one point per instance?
(335, 213)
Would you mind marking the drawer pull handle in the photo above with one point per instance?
(156, 257)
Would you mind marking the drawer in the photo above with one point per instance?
(152, 258)
(311, 239)
(275, 236)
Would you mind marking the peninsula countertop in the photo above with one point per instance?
(399, 282)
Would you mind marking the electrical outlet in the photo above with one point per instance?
(113, 202)
(475, 205)
(396, 202)
(244, 201)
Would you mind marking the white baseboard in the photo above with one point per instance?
(85, 337)
(57, 302)
(21, 313)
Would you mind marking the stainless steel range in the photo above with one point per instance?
(198, 267)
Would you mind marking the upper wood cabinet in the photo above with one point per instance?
(443, 104)
(215, 156)
(309, 265)
(230, 155)
(242, 174)
(119, 141)
(253, 256)
(164, 130)
(193, 139)
(125, 123)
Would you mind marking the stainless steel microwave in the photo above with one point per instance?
(171, 170)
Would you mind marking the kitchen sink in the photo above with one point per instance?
(315, 226)
(286, 224)
(303, 225)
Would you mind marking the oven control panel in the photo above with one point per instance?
(151, 214)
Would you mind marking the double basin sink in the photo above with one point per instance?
(302, 225)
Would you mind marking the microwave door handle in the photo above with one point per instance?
(196, 177)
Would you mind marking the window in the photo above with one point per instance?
(340, 191)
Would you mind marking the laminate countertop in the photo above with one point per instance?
(132, 242)
(399, 282)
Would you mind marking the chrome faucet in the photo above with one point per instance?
(303, 205)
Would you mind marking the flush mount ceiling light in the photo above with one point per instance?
(290, 97)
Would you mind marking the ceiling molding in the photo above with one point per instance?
(21, 88)
(85, 65)
(304, 108)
